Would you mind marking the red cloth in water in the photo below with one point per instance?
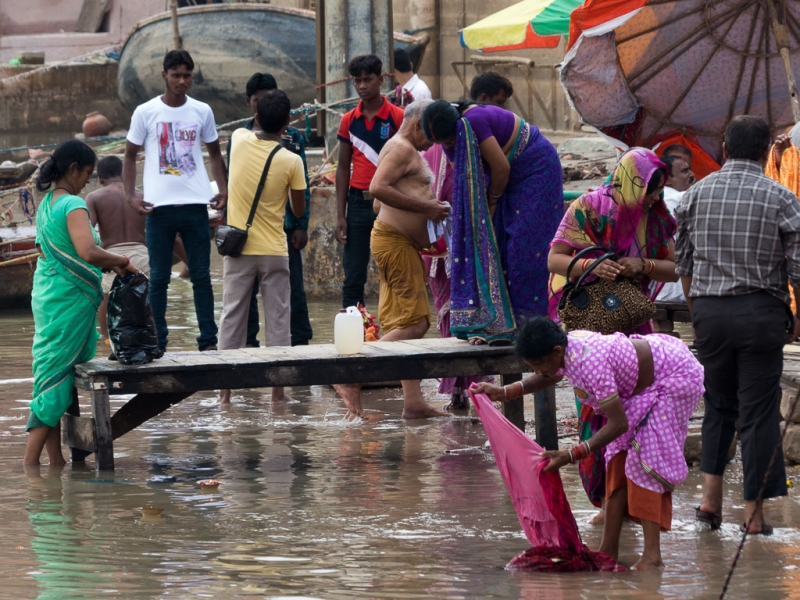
(539, 500)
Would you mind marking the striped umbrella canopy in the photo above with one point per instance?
(527, 24)
(644, 70)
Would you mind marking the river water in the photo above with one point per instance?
(313, 506)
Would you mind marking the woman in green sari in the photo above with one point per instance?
(66, 294)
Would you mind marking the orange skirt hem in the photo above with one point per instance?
(643, 504)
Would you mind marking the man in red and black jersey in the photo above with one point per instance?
(362, 134)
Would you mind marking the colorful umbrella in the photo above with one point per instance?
(527, 24)
(644, 70)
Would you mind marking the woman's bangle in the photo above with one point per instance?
(652, 266)
(583, 264)
(571, 458)
(491, 195)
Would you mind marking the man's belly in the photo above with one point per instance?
(412, 225)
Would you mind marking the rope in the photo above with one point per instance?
(758, 499)
(306, 110)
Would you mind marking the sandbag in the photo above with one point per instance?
(131, 329)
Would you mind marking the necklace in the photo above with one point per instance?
(66, 190)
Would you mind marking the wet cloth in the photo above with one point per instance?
(66, 294)
(539, 500)
(403, 298)
(603, 368)
(139, 259)
(643, 504)
(613, 217)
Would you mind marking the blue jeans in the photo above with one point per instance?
(300, 322)
(163, 224)
(360, 218)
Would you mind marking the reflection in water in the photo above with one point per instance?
(313, 506)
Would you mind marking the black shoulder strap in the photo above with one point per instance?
(261, 186)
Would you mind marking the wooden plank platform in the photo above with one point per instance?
(176, 376)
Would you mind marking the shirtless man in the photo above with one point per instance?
(402, 184)
(121, 227)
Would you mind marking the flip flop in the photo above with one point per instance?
(766, 529)
(712, 519)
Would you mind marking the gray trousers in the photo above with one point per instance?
(740, 343)
(272, 274)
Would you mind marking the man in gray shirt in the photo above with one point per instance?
(738, 245)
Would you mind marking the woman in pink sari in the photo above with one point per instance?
(629, 217)
(648, 386)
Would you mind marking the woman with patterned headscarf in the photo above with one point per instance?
(626, 216)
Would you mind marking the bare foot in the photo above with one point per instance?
(58, 462)
(644, 564)
(476, 341)
(184, 274)
(279, 395)
(426, 411)
(598, 519)
(224, 396)
(351, 395)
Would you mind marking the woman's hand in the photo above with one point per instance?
(631, 267)
(128, 268)
(608, 269)
(495, 392)
(558, 458)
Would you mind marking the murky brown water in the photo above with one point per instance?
(314, 507)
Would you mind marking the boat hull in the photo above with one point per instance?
(17, 282)
(228, 43)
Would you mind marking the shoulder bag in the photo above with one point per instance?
(230, 240)
(601, 305)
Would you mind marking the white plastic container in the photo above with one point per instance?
(348, 331)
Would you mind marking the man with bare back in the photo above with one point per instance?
(121, 226)
(402, 185)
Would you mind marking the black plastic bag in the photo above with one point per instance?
(131, 328)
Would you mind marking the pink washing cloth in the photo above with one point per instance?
(539, 500)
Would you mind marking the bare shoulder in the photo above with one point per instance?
(398, 147)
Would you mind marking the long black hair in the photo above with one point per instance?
(440, 119)
(538, 337)
(67, 153)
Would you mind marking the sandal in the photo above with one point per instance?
(766, 529)
(712, 519)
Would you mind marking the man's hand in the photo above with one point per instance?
(140, 206)
(341, 230)
(219, 201)
(299, 239)
(558, 458)
(436, 211)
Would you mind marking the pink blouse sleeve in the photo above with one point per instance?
(597, 382)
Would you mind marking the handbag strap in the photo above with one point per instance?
(581, 254)
(595, 264)
(261, 186)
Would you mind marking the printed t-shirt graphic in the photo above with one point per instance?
(174, 172)
(175, 144)
(368, 138)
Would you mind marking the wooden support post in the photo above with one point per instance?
(101, 411)
(514, 410)
(77, 455)
(176, 34)
(544, 420)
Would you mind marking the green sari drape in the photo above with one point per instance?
(65, 298)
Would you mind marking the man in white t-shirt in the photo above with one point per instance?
(176, 190)
(679, 179)
(411, 88)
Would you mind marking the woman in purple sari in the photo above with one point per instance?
(507, 203)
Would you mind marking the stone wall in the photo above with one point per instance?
(322, 266)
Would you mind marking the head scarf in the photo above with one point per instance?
(612, 215)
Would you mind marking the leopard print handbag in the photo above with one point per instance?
(601, 305)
